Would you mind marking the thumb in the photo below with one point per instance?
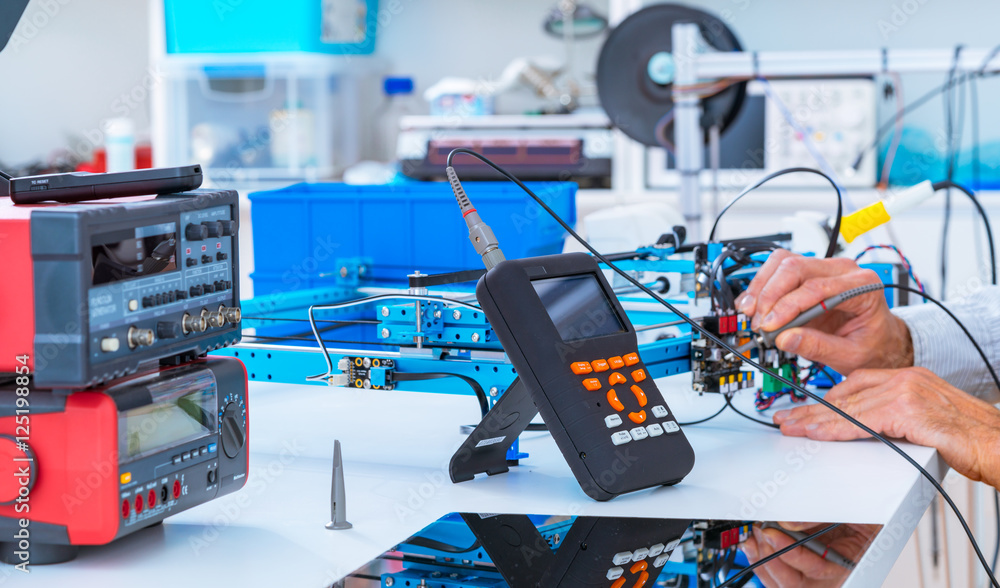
(820, 347)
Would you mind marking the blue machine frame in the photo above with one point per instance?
(432, 337)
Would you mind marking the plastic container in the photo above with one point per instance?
(301, 233)
(284, 117)
(398, 102)
(248, 26)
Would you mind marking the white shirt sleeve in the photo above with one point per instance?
(940, 345)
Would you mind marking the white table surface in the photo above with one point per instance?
(396, 449)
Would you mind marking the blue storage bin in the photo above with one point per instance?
(300, 232)
(250, 26)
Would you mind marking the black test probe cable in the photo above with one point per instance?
(486, 244)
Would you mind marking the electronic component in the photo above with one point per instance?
(365, 372)
(80, 186)
(107, 462)
(720, 535)
(577, 361)
(713, 369)
(95, 289)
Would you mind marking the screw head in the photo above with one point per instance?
(494, 391)
(437, 314)
(385, 311)
(343, 272)
(390, 581)
(456, 314)
(475, 337)
(385, 333)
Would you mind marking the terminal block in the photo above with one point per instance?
(365, 372)
(720, 535)
(713, 368)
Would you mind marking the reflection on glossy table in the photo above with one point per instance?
(396, 448)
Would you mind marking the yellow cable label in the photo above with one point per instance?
(861, 221)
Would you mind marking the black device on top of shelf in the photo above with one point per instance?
(80, 186)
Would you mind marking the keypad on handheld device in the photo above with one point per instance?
(642, 560)
(619, 379)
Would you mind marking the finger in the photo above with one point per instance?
(780, 574)
(801, 527)
(801, 559)
(858, 381)
(844, 396)
(821, 347)
(765, 577)
(790, 274)
(874, 409)
(798, 413)
(750, 549)
(746, 302)
(790, 299)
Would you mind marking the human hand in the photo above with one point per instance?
(800, 566)
(912, 404)
(858, 333)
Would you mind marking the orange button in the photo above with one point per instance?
(641, 582)
(614, 402)
(637, 418)
(616, 362)
(631, 359)
(592, 384)
(619, 582)
(639, 375)
(616, 378)
(639, 395)
(639, 566)
(600, 365)
(580, 367)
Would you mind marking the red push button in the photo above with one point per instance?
(580, 368)
(639, 375)
(631, 359)
(592, 384)
(614, 402)
(639, 395)
(600, 365)
(616, 362)
(637, 418)
(615, 379)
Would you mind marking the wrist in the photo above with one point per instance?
(900, 348)
(987, 452)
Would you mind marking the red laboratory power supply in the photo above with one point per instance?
(90, 467)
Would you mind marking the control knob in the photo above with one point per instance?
(194, 232)
(233, 429)
(214, 228)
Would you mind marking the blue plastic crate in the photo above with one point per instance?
(300, 232)
(250, 26)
